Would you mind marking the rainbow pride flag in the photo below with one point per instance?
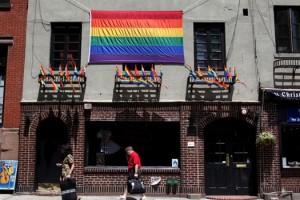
(136, 37)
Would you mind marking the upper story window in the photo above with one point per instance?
(209, 43)
(145, 66)
(65, 45)
(287, 29)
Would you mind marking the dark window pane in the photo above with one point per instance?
(216, 47)
(59, 38)
(209, 44)
(202, 63)
(290, 145)
(287, 29)
(73, 46)
(201, 38)
(215, 38)
(74, 38)
(201, 47)
(110, 138)
(66, 44)
(296, 29)
(59, 46)
(215, 56)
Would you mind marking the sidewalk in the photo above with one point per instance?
(83, 197)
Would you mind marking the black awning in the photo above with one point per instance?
(281, 94)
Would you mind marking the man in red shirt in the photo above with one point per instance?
(134, 168)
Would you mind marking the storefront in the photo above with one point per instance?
(287, 101)
(205, 142)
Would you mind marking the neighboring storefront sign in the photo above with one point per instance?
(283, 94)
(293, 114)
(8, 174)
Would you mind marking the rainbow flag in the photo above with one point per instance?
(136, 37)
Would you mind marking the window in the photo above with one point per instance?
(290, 137)
(209, 43)
(287, 29)
(65, 45)
(5, 4)
(3, 63)
(156, 142)
(146, 66)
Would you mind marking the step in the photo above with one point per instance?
(232, 197)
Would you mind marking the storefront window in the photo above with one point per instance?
(156, 142)
(290, 137)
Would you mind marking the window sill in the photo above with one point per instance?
(291, 167)
(286, 55)
(123, 169)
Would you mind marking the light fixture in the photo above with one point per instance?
(87, 106)
(244, 111)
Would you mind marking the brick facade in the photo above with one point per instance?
(13, 23)
(191, 174)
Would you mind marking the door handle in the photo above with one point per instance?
(227, 160)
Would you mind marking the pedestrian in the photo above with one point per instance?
(134, 168)
(67, 166)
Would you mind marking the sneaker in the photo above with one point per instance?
(122, 197)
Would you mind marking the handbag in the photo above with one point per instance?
(136, 186)
(68, 189)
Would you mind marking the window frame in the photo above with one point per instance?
(289, 23)
(208, 27)
(64, 30)
(119, 130)
(283, 148)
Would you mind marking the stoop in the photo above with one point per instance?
(195, 196)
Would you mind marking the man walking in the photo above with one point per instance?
(134, 168)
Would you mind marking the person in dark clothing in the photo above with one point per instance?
(67, 166)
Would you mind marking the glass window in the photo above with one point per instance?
(146, 66)
(290, 137)
(287, 29)
(65, 45)
(209, 45)
(156, 142)
(5, 4)
(3, 63)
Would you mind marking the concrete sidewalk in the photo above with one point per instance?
(83, 197)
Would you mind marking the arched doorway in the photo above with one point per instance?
(230, 157)
(51, 132)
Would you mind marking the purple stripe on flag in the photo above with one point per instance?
(104, 58)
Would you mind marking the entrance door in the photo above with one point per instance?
(51, 134)
(230, 158)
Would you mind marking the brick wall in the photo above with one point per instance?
(191, 174)
(13, 22)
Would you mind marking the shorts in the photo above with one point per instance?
(131, 173)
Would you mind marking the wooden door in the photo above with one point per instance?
(229, 162)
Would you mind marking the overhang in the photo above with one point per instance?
(6, 40)
(280, 94)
